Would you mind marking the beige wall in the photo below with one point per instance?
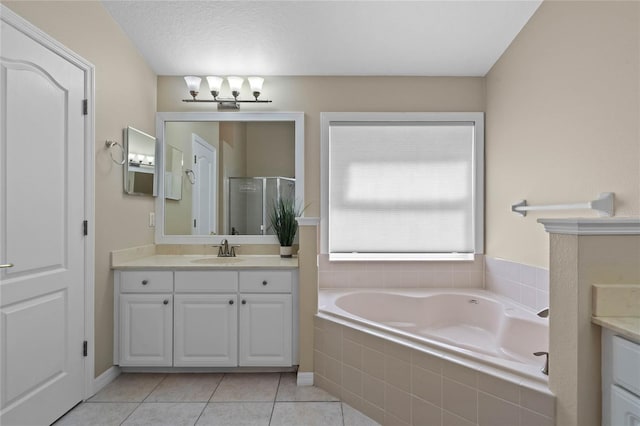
(125, 90)
(562, 121)
(270, 148)
(233, 137)
(313, 95)
(179, 135)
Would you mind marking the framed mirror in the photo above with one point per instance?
(140, 177)
(234, 165)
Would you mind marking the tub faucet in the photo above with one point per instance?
(545, 369)
(543, 313)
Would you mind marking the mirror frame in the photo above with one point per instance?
(125, 150)
(163, 117)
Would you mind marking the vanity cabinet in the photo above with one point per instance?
(265, 318)
(205, 330)
(205, 318)
(146, 329)
(620, 380)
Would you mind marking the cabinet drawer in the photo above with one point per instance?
(265, 281)
(626, 364)
(146, 281)
(206, 281)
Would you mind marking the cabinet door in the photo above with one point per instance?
(206, 330)
(265, 329)
(146, 324)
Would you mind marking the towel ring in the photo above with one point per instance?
(110, 145)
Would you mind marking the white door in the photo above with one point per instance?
(42, 156)
(265, 330)
(204, 206)
(205, 330)
(146, 323)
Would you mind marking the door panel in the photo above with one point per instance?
(265, 330)
(204, 206)
(41, 213)
(29, 328)
(146, 329)
(206, 330)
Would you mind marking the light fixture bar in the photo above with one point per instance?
(224, 101)
(235, 84)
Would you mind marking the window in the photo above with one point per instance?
(402, 186)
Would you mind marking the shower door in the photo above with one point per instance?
(246, 197)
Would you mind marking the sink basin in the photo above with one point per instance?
(217, 260)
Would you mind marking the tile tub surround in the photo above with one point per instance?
(528, 285)
(269, 399)
(395, 384)
(466, 274)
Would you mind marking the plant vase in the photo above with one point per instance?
(286, 251)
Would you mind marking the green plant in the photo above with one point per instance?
(283, 220)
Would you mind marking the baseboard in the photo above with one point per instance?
(105, 378)
(305, 379)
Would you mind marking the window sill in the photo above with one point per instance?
(406, 257)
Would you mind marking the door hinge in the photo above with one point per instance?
(85, 349)
(85, 227)
(85, 107)
(195, 159)
(194, 223)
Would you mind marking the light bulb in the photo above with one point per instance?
(214, 85)
(256, 85)
(193, 83)
(235, 83)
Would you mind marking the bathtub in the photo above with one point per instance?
(473, 327)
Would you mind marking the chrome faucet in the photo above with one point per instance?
(224, 250)
(545, 369)
(543, 313)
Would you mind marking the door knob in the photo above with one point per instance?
(6, 265)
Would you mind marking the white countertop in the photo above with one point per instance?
(208, 262)
(628, 327)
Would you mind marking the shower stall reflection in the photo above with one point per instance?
(252, 198)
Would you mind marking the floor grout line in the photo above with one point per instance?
(129, 415)
(275, 397)
(283, 384)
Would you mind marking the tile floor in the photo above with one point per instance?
(233, 399)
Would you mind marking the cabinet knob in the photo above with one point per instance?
(231, 302)
(145, 282)
(244, 302)
(264, 282)
(165, 301)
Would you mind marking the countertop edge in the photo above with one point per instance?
(628, 327)
(234, 267)
(185, 262)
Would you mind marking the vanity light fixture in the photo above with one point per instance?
(215, 85)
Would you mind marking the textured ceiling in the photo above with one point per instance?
(428, 38)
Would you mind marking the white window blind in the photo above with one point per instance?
(399, 187)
